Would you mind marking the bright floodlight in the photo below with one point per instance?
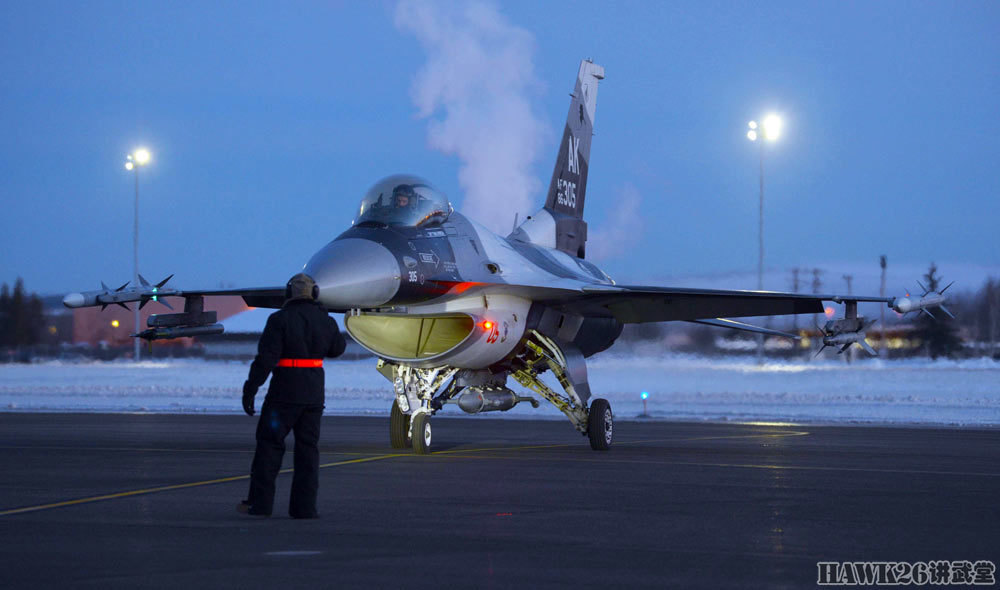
(752, 135)
(752, 124)
(772, 126)
(129, 165)
(142, 156)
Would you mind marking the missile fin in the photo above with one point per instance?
(867, 347)
(925, 289)
(164, 282)
(120, 304)
(941, 292)
(822, 348)
(843, 348)
(924, 309)
(143, 281)
(105, 287)
(104, 306)
(123, 286)
(170, 307)
(945, 309)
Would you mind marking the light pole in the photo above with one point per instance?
(769, 129)
(133, 161)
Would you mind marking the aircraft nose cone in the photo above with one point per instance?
(354, 273)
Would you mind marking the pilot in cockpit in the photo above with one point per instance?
(404, 197)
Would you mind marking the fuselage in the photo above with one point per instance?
(434, 294)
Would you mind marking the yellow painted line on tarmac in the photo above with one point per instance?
(179, 486)
(457, 453)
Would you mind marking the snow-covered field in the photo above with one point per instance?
(680, 387)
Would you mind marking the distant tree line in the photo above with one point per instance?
(979, 315)
(22, 317)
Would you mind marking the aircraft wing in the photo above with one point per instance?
(145, 292)
(269, 297)
(641, 304)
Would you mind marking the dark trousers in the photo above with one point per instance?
(276, 419)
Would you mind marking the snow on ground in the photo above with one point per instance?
(680, 388)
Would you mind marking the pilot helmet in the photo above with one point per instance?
(301, 286)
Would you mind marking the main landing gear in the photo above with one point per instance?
(420, 393)
(600, 425)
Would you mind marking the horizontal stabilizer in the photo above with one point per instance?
(734, 325)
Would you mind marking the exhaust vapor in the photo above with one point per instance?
(474, 90)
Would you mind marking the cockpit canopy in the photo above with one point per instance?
(403, 200)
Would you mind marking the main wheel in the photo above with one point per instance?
(422, 433)
(600, 425)
(399, 427)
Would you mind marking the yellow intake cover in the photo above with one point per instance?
(409, 337)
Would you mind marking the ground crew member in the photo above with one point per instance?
(295, 340)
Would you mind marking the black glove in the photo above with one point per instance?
(249, 391)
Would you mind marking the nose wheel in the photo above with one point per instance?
(600, 425)
(399, 427)
(422, 433)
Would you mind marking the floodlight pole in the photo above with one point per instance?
(136, 348)
(760, 249)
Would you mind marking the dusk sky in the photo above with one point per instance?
(267, 122)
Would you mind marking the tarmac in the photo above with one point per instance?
(122, 500)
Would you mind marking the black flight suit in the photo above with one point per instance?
(301, 329)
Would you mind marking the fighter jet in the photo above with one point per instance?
(456, 314)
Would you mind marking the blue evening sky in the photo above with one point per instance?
(267, 121)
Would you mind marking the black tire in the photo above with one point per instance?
(422, 434)
(600, 425)
(399, 427)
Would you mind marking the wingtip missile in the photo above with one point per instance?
(107, 296)
(929, 300)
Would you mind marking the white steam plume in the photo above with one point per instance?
(621, 230)
(475, 90)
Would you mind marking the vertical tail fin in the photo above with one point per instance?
(569, 179)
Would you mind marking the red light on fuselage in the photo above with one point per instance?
(487, 325)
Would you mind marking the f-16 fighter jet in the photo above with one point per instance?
(456, 314)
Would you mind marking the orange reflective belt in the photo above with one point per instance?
(301, 363)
